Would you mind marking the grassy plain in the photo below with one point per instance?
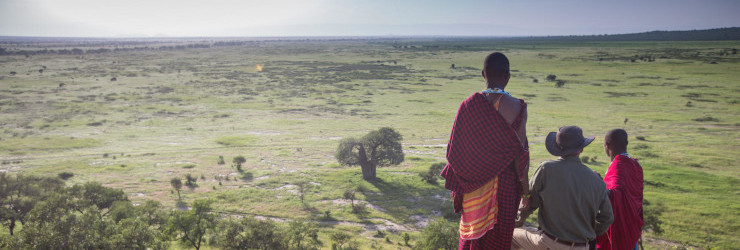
(174, 112)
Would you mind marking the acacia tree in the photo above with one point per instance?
(177, 185)
(192, 226)
(19, 195)
(380, 147)
(238, 161)
(303, 188)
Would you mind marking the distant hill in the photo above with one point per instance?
(686, 35)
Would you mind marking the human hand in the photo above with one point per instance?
(519, 222)
(525, 203)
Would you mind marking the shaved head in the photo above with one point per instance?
(496, 64)
(496, 70)
(616, 140)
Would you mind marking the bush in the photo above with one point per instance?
(559, 83)
(652, 217)
(250, 233)
(343, 241)
(66, 175)
(551, 77)
(584, 159)
(439, 234)
(191, 181)
(706, 119)
(432, 175)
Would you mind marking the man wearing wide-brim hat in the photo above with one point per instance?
(573, 203)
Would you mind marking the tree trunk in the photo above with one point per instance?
(368, 169)
(11, 226)
(368, 172)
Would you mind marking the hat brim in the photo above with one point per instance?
(553, 149)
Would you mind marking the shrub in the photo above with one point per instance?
(343, 241)
(551, 77)
(584, 159)
(191, 181)
(706, 119)
(432, 175)
(350, 195)
(652, 217)
(439, 234)
(66, 175)
(559, 83)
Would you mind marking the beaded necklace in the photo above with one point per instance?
(495, 91)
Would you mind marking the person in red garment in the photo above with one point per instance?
(624, 184)
(488, 160)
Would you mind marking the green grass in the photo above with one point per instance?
(172, 113)
(46, 143)
(236, 140)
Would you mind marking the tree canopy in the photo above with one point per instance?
(380, 147)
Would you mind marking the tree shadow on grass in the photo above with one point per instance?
(402, 198)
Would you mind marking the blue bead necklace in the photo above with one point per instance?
(495, 91)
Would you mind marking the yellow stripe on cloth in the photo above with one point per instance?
(479, 211)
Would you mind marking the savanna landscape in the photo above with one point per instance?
(251, 127)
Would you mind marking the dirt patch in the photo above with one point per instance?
(378, 224)
(275, 219)
(422, 221)
(290, 188)
(263, 133)
(170, 163)
(343, 202)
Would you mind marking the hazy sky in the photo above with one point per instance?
(145, 18)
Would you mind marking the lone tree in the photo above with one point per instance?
(177, 185)
(238, 161)
(350, 195)
(381, 147)
(303, 187)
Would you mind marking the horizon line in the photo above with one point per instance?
(350, 36)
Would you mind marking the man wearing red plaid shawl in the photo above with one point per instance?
(624, 182)
(488, 160)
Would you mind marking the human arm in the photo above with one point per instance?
(531, 203)
(605, 216)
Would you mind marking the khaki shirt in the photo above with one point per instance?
(572, 200)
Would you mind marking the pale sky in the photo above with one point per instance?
(189, 18)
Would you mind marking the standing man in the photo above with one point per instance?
(573, 204)
(624, 182)
(488, 160)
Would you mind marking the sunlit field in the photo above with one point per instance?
(132, 115)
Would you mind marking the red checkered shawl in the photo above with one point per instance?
(482, 144)
(624, 179)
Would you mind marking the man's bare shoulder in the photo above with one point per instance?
(512, 104)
